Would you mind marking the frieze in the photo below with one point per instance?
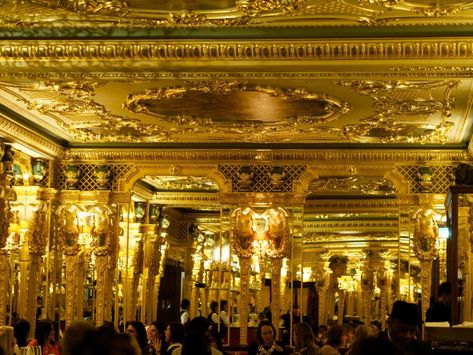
(127, 50)
(335, 157)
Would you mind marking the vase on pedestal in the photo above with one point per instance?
(72, 174)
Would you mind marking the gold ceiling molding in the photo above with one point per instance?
(185, 198)
(142, 192)
(402, 110)
(359, 185)
(349, 205)
(426, 8)
(181, 183)
(207, 156)
(80, 51)
(106, 75)
(316, 237)
(352, 224)
(103, 13)
(28, 138)
(261, 199)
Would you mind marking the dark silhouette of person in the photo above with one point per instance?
(402, 329)
(440, 310)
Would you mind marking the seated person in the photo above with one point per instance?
(265, 342)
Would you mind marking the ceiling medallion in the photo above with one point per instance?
(223, 107)
(405, 112)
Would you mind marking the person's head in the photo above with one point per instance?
(349, 332)
(7, 340)
(21, 330)
(361, 332)
(198, 325)
(266, 333)
(107, 328)
(296, 312)
(402, 323)
(156, 330)
(335, 336)
(444, 291)
(303, 336)
(185, 304)
(174, 333)
(322, 331)
(224, 305)
(195, 343)
(82, 338)
(213, 306)
(137, 329)
(44, 333)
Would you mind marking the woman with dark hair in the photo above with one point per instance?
(196, 341)
(335, 340)
(265, 342)
(155, 333)
(137, 329)
(45, 338)
(304, 340)
(21, 329)
(174, 336)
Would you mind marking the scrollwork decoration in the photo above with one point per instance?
(425, 234)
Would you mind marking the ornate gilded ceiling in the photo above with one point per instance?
(237, 12)
(236, 73)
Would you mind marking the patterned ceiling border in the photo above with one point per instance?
(440, 72)
(80, 51)
(250, 156)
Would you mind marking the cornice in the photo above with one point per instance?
(185, 198)
(84, 51)
(28, 138)
(322, 157)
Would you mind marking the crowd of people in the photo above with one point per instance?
(203, 336)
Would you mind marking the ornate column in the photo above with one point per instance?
(338, 265)
(102, 232)
(37, 240)
(323, 285)
(383, 286)
(284, 280)
(366, 293)
(162, 265)
(276, 264)
(197, 276)
(425, 238)
(69, 236)
(245, 264)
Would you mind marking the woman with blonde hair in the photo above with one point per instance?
(304, 340)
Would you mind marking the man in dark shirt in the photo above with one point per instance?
(402, 329)
(440, 310)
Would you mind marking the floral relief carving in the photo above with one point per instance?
(401, 109)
